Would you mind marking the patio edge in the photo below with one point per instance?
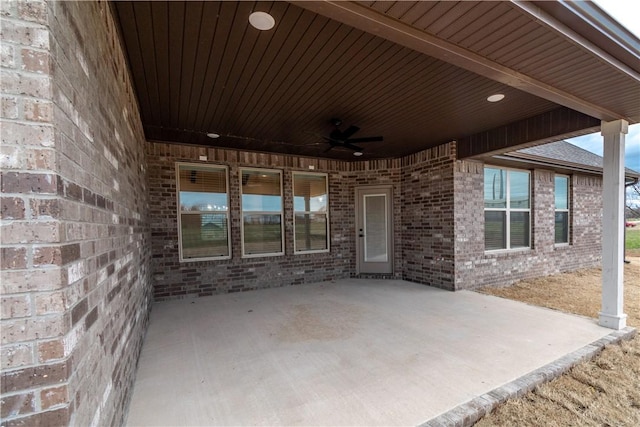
(472, 411)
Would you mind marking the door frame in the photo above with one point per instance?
(360, 191)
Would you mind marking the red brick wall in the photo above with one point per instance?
(75, 240)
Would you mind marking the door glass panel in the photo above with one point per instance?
(375, 228)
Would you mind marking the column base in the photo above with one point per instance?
(612, 321)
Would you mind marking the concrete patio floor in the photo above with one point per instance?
(351, 352)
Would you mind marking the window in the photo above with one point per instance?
(561, 209)
(506, 209)
(203, 205)
(261, 195)
(310, 212)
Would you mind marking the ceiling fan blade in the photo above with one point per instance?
(317, 135)
(340, 140)
(350, 131)
(352, 147)
(367, 139)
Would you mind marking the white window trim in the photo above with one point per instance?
(180, 213)
(568, 210)
(508, 210)
(326, 214)
(270, 254)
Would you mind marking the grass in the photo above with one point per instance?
(604, 391)
(632, 240)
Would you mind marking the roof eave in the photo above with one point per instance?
(592, 28)
(559, 164)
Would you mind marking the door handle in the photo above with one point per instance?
(361, 234)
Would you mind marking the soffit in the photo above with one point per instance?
(199, 67)
(542, 40)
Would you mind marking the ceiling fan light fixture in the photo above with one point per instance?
(213, 135)
(262, 21)
(358, 153)
(496, 97)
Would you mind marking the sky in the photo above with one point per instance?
(626, 12)
(593, 143)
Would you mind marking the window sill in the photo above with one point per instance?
(263, 255)
(322, 251)
(499, 252)
(218, 258)
(561, 245)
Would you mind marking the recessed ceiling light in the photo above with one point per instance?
(262, 21)
(357, 153)
(213, 135)
(495, 98)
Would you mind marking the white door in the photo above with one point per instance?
(374, 234)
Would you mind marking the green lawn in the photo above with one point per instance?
(632, 240)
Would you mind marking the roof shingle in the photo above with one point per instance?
(564, 154)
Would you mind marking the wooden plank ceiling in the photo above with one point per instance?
(199, 67)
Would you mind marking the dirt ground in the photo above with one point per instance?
(601, 392)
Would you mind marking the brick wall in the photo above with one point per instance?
(86, 229)
(423, 218)
(175, 279)
(438, 224)
(427, 217)
(476, 268)
(75, 240)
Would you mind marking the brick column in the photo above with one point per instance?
(35, 368)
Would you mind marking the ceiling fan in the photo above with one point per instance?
(342, 139)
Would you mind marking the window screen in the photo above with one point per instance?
(507, 201)
(204, 212)
(262, 232)
(310, 202)
(561, 226)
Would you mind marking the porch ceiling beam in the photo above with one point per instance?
(373, 22)
(547, 127)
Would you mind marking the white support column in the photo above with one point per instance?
(611, 315)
